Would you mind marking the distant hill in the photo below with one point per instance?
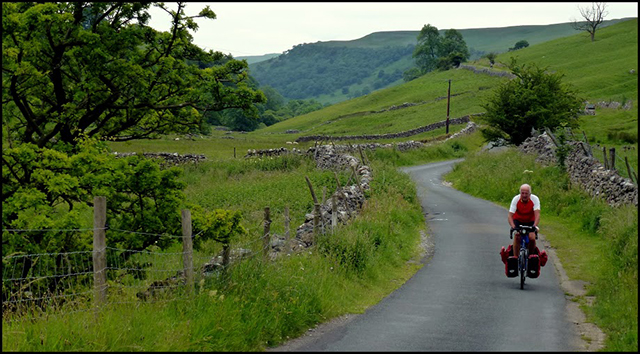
(334, 71)
(600, 71)
(252, 59)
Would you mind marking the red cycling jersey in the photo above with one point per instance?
(523, 212)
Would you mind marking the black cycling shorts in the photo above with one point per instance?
(518, 223)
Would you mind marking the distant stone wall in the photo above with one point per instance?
(257, 153)
(487, 71)
(404, 134)
(585, 171)
(167, 158)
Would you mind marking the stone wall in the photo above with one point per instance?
(404, 134)
(167, 158)
(487, 71)
(585, 171)
(352, 148)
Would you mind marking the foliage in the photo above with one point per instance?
(453, 43)
(49, 189)
(311, 70)
(45, 189)
(275, 112)
(427, 50)
(562, 151)
(492, 57)
(219, 225)
(97, 69)
(534, 99)
(519, 45)
(411, 74)
(444, 53)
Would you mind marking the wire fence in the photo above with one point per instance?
(46, 283)
(50, 284)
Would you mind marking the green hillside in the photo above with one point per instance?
(251, 59)
(600, 71)
(334, 71)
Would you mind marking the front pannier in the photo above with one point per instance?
(511, 268)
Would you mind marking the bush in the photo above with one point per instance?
(534, 99)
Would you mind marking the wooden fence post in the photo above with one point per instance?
(334, 212)
(612, 154)
(99, 250)
(287, 221)
(355, 173)
(604, 156)
(316, 220)
(226, 250)
(313, 194)
(586, 141)
(626, 161)
(187, 249)
(337, 179)
(266, 239)
(234, 152)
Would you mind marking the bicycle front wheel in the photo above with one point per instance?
(523, 270)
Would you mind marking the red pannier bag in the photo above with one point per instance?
(543, 257)
(510, 262)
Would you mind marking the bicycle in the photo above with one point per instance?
(523, 257)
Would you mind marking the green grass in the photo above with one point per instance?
(262, 304)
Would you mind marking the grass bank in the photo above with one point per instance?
(260, 304)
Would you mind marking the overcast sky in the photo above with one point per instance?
(257, 28)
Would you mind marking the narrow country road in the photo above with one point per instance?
(461, 299)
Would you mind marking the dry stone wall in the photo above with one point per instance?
(404, 134)
(586, 171)
(487, 71)
(167, 158)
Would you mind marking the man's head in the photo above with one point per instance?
(525, 192)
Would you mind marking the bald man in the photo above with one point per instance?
(524, 210)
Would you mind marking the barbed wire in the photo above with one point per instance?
(76, 267)
(53, 230)
(46, 254)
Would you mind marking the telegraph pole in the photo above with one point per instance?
(448, 98)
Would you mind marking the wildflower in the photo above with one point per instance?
(213, 293)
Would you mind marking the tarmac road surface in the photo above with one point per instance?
(461, 299)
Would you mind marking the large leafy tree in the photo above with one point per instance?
(534, 99)
(453, 42)
(434, 51)
(96, 69)
(427, 50)
(74, 74)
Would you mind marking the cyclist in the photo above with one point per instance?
(524, 210)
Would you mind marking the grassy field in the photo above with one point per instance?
(266, 303)
(263, 303)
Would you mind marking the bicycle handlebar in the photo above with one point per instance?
(523, 228)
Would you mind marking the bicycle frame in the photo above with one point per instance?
(523, 257)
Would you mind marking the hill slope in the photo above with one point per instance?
(335, 71)
(600, 71)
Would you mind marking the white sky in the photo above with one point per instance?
(257, 28)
